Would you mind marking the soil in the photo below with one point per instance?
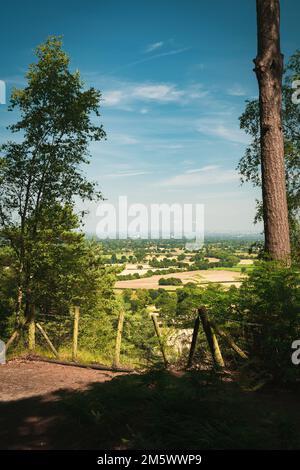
(22, 378)
(230, 277)
(51, 406)
(31, 416)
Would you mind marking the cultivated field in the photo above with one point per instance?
(203, 276)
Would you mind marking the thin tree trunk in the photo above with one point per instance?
(269, 70)
(19, 305)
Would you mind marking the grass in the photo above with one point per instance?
(236, 269)
(131, 360)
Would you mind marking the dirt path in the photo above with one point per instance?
(49, 406)
(21, 378)
(31, 398)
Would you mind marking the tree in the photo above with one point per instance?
(250, 165)
(41, 174)
(269, 70)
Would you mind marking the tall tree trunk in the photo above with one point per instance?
(269, 70)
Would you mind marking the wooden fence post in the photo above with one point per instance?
(31, 330)
(211, 338)
(116, 362)
(44, 334)
(194, 341)
(229, 340)
(14, 337)
(158, 333)
(75, 332)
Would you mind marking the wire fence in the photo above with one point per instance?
(133, 341)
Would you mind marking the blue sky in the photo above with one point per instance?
(174, 77)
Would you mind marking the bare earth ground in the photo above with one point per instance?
(31, 416)
(22, 379)
(48, 406)
(230, 277)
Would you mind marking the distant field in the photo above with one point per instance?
(203, 276)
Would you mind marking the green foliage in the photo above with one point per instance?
(166, 303)
(139, 343)
(41, 174)
(270, 300)
(170, 281)
(8, 289)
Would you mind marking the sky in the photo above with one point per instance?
(174, 77)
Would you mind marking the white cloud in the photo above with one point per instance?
(154, 46)
(112, 98)
(128, 93)
(153, 57)
(127, 173)
(204, 168)
(207, 175)
(123, 139)
(160, 92)
(236, 90)
(217, 128)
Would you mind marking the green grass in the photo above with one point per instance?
(236, 269)
(130, 360)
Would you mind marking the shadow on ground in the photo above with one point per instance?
(157, 410)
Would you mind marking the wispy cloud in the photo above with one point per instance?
(153, 57)
(208, 175)
(123, 139)
(217, 128)
(204, 168)
(113, 97)
(154, 46)
(127, 93)
(125, 174)
(236, 90)
(160, 92)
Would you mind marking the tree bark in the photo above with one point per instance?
(269, 71)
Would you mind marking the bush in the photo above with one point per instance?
(270, 297)
(171, 281)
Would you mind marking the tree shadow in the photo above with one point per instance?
(156, 410)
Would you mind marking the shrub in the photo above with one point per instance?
(171, 281)
(270, 298)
